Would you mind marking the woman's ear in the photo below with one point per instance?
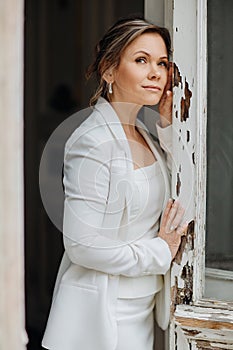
(108, 76)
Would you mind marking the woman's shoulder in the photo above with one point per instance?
(92, 132)
(93, 126)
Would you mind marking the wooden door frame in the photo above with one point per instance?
(197, 322)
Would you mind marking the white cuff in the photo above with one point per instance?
(165, 137)
(167, 252)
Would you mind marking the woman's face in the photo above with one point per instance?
(142, 73)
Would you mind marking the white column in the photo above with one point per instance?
(12, 331)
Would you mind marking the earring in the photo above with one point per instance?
(110, 88)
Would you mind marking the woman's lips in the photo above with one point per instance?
(152, 88)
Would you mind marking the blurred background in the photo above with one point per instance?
(60, 36)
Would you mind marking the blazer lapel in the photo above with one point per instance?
(113, 122)
(158, 155)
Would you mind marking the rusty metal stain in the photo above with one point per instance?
(173, 296)
(178, 185)
(191, 332)
(209, 345)
(187, 276)
(190, 234)
(185, 103)
(176, 340)
(184, 295)
(177, 76)
(179, 254)
(193, 158)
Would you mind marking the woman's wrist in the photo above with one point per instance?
(164, 123)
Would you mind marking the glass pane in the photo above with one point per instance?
(219, 244)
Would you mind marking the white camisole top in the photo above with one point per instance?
(147, 202)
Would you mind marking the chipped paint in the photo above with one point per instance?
(184, 295)
(185, 103)
(193, 158)
(206, 326)
(178, 185)
(206, 345)
(186, 99)
(177, 76)
(196, 323)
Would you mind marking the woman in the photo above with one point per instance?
(118, 249)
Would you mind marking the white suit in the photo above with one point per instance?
(97, 171)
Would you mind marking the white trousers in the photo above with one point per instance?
(135, 322)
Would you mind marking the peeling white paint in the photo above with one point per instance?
(203, 324)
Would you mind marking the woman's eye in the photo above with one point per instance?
(141, 60)
(164, 64)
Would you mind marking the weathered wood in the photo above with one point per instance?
(12, 333)
(197, 323)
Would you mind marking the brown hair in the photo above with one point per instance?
(114, 42)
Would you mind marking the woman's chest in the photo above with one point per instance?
(141, 153)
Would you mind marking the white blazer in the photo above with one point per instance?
(97, 175)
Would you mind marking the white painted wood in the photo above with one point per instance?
(201, 144)
(184, 29)
(181, 340)
(193, 321)
(12, 331)
(204, 323)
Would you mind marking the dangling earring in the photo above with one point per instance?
(110, 88)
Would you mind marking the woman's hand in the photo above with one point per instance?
(165, 104)
(170, 228)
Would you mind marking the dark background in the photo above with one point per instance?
(60, 36)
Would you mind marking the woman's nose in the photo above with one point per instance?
(154, 72)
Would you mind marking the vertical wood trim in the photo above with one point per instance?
(184, 181)
(12, 331)
(201, 145)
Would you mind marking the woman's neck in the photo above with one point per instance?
(127, 113)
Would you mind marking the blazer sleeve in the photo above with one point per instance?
(165, 141)
(86, 182)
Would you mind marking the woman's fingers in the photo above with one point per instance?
(177, 219)
(170, 229)
(171, 217)
(182, 229)
(166, 213)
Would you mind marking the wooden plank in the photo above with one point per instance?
(205, 323)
